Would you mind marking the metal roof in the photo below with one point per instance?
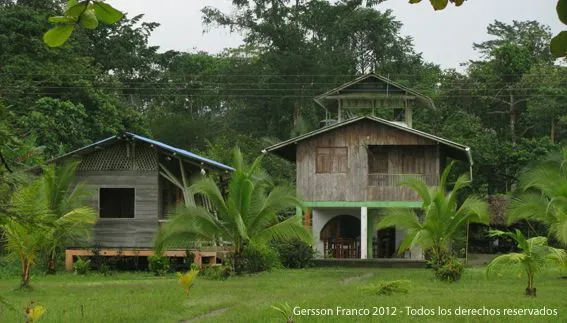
(127, 135)
(308, 135)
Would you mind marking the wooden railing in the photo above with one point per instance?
(341, 248)
(393, 180)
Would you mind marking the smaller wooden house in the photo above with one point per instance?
(349, 171)
(135, 182)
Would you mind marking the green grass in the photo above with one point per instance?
(140, 297)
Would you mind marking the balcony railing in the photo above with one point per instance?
(393, 180)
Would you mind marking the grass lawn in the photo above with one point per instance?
(140, 297)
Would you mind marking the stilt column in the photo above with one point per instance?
(363, 232)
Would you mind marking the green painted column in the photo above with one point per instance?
(370, 234)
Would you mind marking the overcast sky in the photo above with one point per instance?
(443, 37)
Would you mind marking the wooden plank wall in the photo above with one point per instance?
(137, 232)
(353, 185)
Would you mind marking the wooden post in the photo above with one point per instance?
(68, 260)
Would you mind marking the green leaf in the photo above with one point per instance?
(458, 2)
(57, 36)
(414, 1)
(562, 10)
(70, 4)
(106, 13)
(61, 19)
(88, 19)
(76, 10)
(559, 45)
(439, 4)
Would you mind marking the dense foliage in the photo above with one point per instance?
(258, 257)
(508, 106)
(295, 253)
(62, 98)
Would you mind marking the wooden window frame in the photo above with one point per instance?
(333, 169)
(373, 150)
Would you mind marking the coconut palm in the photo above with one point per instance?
(535, 255)
(250, 212)
(442, 217)
(72, 219)
(23, 233)
(544, 195)
(46, 215)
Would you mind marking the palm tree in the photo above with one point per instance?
(544, 195)
(250, 211)
(23, 234)
(71, 220)
(533, 258)
(46, 215)
(442, 216)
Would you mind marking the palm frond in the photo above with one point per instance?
(209, 189)
(264, 208)
(504, 260)
(290, 228)
(189, 224)
(420, 187)
(401, 218)
(527, 206)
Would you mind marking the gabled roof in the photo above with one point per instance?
(286, 149)
(425, 99)
(209, 163)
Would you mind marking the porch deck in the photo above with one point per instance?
(205, 255)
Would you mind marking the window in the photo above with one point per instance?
(116, 203)
(377, 160)
(332, 160)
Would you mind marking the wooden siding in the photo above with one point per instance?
(136, 232)
(354, 184)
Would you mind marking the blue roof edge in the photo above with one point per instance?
(162, 145)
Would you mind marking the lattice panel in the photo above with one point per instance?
(121, 156)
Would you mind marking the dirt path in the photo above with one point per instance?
(357, 278)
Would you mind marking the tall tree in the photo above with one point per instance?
(514, 51)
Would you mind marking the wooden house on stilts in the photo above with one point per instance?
(135, 182)
(348, 172)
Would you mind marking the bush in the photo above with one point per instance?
(222, 272)
(259, 257)
(450, 271)
(295, 253)
(158, 264)
(389, 287)
(82, 266)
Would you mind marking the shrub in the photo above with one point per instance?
(82, 266)
(389, 287)
(187, 279)
(295, 253)
(450, 271)
(222, 272)
(259, 257)
(158, 264)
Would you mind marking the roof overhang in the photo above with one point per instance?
(336, 92)
(287, 149)
(162, 147)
